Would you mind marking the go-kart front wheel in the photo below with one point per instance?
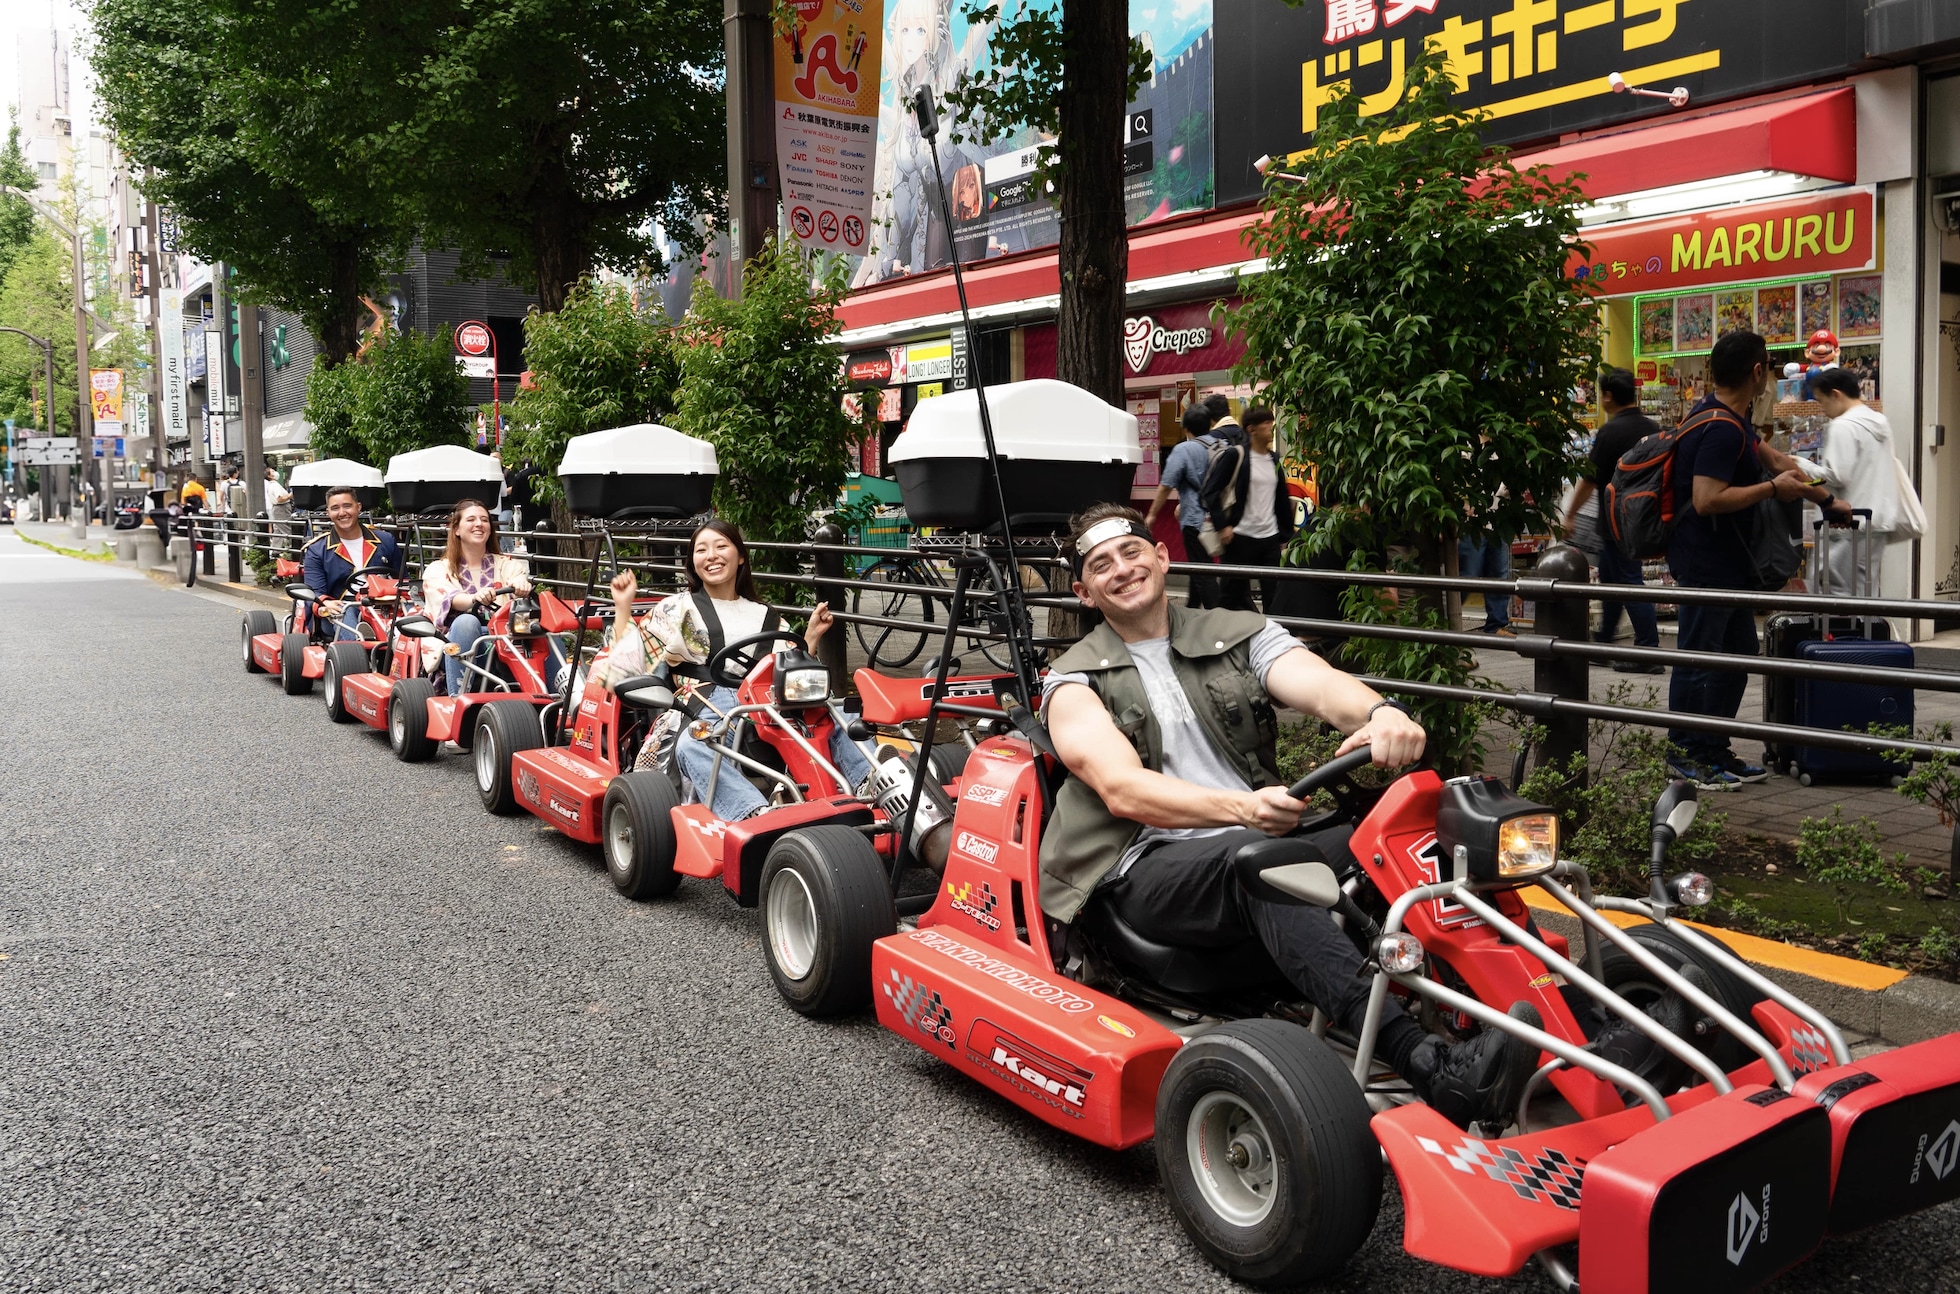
(502, 729)
(639, 839)
(256, 623)
(408, 720)
(1264, 1148)
(342, 659)
(292, 665)
(825, 901)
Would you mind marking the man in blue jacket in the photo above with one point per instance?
(333, 558)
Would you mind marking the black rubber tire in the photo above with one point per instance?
(342, 659)
(502, 729)
(1630, 980)
(839, 889)
(1326, 1185)
(256, 623)
(408, 720)
(949, 761)
(292, 661)
(637, 834)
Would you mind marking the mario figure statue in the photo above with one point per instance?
(1820, 354)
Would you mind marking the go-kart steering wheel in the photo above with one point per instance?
(729, 666)
(1335, 778)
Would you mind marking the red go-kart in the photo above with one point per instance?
(404, 701)
(1271, 1128)
(297, 651)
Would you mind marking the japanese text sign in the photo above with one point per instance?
(1826, 233)
(105, 394)
(827, 66)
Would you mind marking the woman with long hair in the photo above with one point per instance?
(455, 586)
(685, 630)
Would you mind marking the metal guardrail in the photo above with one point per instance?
(1562, 653)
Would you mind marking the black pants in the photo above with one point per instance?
(1247, 551)
(1204, 588)
(1182, 893)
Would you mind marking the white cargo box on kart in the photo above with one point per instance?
(645, 470)
(1060, 448)
(311, 481)
(425, 480)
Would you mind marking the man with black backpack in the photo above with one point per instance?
(1721, 472)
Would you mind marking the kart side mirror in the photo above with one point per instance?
(1283, 870)
(858, 730)
(645, 693)
(1677, 807)
(301, 593)
(417, 627)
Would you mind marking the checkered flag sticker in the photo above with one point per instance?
(922, 1006)
(1810, 1051)
(1548, 1177)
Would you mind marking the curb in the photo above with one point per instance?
(1877, 1001)
(167, 576)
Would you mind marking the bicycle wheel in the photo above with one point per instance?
(989, 616)
(886, 646)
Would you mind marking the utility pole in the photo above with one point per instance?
(159, 444)
(752, 189)
(251, 406)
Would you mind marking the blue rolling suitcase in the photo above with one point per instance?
(1835, 706)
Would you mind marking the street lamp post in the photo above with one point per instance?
(84, 421)
(47, 352)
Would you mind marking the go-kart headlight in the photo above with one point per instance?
(803, 686)
(1497, 837)
(1527, 846)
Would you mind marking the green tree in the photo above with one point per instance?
(1068, 71)
(598, 362)
(405, 394)
(249, 118)
(760, 381)
(1417, 314)
(16, 217)
(557, 131)
(36, 297)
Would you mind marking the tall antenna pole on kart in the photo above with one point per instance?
(928, 117)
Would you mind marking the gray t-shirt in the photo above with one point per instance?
(1189, 755)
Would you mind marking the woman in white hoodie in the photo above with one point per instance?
(1857, 465)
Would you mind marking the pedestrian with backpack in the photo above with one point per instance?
(1185, 469)
(1251, 511)
(1723, 483)
(1625, 427)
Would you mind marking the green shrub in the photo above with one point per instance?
(1847, 857)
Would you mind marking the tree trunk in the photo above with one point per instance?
(559, 232)
(341, 336)
(1095, 252)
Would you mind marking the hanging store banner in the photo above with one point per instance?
(172, 377)
(1827, 233)
(105, 395)
(1538, 68)
(827, 62)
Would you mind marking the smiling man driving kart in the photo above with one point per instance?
(333, 558)
(1164, 717)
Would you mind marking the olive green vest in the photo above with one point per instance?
(1210, 655)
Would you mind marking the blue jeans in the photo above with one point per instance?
(1486, 557)
(464, 629)
(1710, 691)
(350, 624)
(735, 796)
(1617, 568)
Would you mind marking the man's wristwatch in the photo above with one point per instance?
(1389, 704)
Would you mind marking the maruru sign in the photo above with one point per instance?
(1830, 233)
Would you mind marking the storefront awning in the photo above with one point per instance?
(1816, 135)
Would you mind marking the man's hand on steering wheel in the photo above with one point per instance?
(1271, 809)
(729, 666)
(1395, 737)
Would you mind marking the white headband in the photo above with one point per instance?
(1105, 530)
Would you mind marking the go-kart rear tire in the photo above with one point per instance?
(825, 901)
(949, 761)
(1632, 981)
(408, 720)
(292, 665)
(342, 659)
(638, 822)
(502, 729)
(1271, 1091)
(256, 623)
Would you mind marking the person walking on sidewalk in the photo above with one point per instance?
(1721, 470)
(1184, 473)
(1483, 554)
(1625, 427)
(1258, 520)
(1857, 464)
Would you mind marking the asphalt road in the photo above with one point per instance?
(278, 1013)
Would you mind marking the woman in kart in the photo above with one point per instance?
(685, 631)
(455, 586)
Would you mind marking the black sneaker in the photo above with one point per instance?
(1479, 1079)
(1625, 1046)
